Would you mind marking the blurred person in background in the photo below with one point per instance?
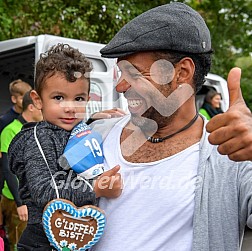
(15, 214)
(211, 105)
(17, 89)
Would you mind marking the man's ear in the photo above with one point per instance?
(185, 70)
(36, 99)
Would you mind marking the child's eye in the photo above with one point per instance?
(58, 98)
(80, 99)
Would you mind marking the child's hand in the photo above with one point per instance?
(109, 184)
(22, 213)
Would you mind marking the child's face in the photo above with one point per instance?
(63, 103)
(216, 100)
(17, 100)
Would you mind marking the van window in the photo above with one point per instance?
(15, 64)
(95, 102)
(98, 65)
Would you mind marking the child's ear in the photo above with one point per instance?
(36, 99)
(13, 99)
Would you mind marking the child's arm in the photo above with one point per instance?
(109, 184)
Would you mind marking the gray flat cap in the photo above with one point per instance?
(174, 26)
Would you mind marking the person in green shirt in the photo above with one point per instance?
(211, 105)
(17, 89)
(14, 212)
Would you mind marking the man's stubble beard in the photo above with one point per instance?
(151, 120)
(154, 117)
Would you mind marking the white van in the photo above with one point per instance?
(18, 57)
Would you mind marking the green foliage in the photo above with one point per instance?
(229, 22)
(245, 63)
(98, 20)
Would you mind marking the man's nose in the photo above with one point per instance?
(122, 85)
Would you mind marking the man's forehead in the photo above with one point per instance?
(140, 61)
(133, 67)
(153, 65)
(140, 54)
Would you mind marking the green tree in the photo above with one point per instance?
(245, 63)
(229, 22)
(231, 31)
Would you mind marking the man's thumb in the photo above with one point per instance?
(113, 171)
(233, 81)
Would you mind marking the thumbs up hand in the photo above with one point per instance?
(232, 130)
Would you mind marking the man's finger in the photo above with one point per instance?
(233, 80)
(216, 137)
(101, 115)
(218, 121)
(113, 171)
(119, 110)
(241, 155)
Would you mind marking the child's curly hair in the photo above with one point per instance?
(63, 59)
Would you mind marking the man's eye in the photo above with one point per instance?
(135, 75)
(59, 98)
(80, 99)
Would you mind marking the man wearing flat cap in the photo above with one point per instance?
(187, 184)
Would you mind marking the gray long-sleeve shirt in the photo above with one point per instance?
(35, 181)
(223, 201)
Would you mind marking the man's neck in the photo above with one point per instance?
(136, 148)
(27, 117)
(17, 109)
(22, 119)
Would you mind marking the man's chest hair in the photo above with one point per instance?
(149, 152)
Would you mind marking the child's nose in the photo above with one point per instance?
(69, 106)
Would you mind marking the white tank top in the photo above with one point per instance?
(155, 210)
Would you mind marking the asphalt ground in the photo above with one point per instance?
(247, 241)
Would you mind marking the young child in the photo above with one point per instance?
(62, 87)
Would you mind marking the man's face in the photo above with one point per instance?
(18, 101)
(146, 84)
(17, 98)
